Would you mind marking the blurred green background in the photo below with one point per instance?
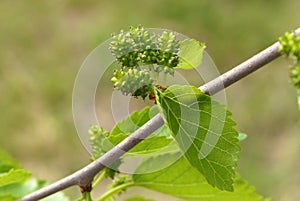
(43, 43)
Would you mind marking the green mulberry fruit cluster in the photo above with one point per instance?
(136, 48)
(168, 50)
(290, 46)
(98, 137)
(133, 47)
(295, 76)
(133, 82)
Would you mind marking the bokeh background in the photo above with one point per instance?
(43, 43)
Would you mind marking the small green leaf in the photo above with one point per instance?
(242, 136)
(191, 54)
(15, 182)
(18, 190)
(119, 185)
(6, 162)
(102, 141)
(204, 132)
(137, 119)
(131, 123)
(153, 144)
(14, 176)
(183, 181)
(138, 198)
(7, 198)
(56, 197)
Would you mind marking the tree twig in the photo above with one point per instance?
(84, 176)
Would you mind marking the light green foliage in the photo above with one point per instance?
(22, 188)
(118, 186)
(138, 198)
(120, 181)
(137, 119)
(201, 127)
(242, 136)
(290, 46)
(102, 141)
(6, 162)
(131, 123)
(56, 197)
(14, 176)
(183, 181)
(204, 131)
(16, 190)
(153, 144)
(191, 53)
(15, 183)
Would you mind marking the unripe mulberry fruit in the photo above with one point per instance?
(135, 82)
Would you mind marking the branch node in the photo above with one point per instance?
(86, 188)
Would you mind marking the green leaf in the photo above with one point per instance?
(204, 132)
(56, 197)
(183, 181)
(191, 54)
(6, 162)
(18, 190)
(137, 119)
(102, 141)
(14, 176)
(138, 198)
(242, 136)
(131, 123)
(15, 182)
(7, 198)
(152, 144)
